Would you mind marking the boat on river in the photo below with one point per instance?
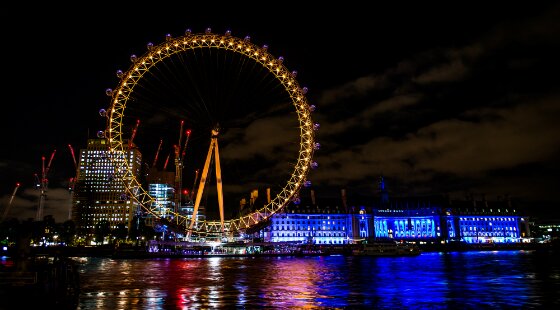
(387, 248)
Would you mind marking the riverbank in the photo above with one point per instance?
(307, 250)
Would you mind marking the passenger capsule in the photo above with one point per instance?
(168, 37)
(316, 146)
(109, 92)
(102, 113)
(265, 47)
(312, 108)
(119, 74)
(304, 90)
(188, 32)
(101, 134)
(314, 165)
(294, 74)
(228, 33)
(280, 59)
(208, 30)
(296, 201)
(247, 39)
(150, 45)
(133, 58)
(307, 183)
(316, 126)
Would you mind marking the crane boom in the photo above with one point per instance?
(73, 156)
(183, 152)
(7, 210)
(49, 165)
(133, 134)
(157, 153)
(44, 185)
(181, 134)
(194, 184)
(72, 182)
(166, 161)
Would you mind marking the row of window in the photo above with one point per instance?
(308, 235)
(309, 222)
(490, 234)
(278, 227)
(496, 227)
(501, 219)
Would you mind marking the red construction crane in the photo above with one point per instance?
(188, 134)
(43, 186)
(157, 153)
(194, 184)
(133, 134)
(180, 150)
(166, 162)
(73, 180)
(10, 203)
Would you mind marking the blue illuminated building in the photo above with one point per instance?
(437, 219)
(484, 221)
(329, 222)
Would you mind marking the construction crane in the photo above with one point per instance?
(73, 180)
(7, 210)
(133, 134)
(43, 186)
(180, 150)
(157, 153)
(166, 162)
(193, 186)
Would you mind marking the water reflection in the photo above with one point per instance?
(431, 280)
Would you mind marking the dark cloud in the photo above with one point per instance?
(459, 118)
(434, 101)
(26, 203)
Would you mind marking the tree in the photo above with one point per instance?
(102, 230)
(68, 232)
(121, 231)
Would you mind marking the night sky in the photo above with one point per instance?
(441, 98)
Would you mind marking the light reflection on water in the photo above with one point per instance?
(432, 280)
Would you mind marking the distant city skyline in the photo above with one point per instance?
(437, 98)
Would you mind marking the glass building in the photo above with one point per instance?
(161, 187)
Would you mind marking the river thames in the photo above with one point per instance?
(464, 280)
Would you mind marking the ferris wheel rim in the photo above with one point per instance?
(189, 41)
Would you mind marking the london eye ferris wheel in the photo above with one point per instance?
(225, 89)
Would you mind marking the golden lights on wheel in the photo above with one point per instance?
(190, 41)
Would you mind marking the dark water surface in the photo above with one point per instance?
(467, 280)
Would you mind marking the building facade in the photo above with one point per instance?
(99, 196)
(413, 219)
